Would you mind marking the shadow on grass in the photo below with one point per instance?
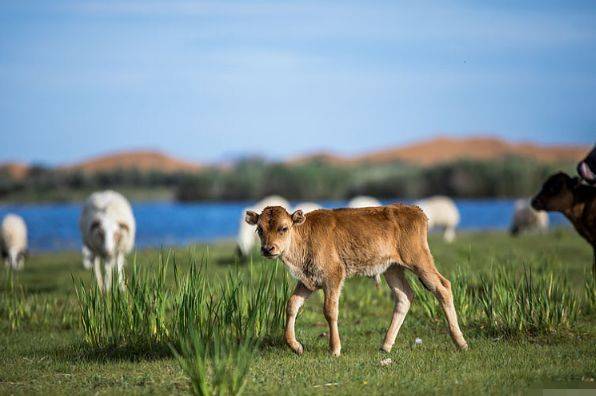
(131, 353)
(84, 353)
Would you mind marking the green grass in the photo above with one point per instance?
(526, 306)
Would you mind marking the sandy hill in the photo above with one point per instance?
(14, 170)
(425, 153)
(443, 149)
(144, 161)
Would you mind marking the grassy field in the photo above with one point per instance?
(526, 306)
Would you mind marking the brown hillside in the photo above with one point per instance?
(141, 160)
(14, 170)
(443, 149)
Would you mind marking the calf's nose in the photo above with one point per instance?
(266, 250)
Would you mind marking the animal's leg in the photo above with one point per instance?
(330, 309)
(449, 235)
(97, 270)
(301, 293)
(19, 264)
(400, 288)
(594, 263)
(120, 261)
(87, 257)
(109, 266)
(441, 288)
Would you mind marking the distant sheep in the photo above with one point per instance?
(13, 241)
(307, 207)
(442, 213)
(526, 219)
(108, 231)
(247, 236)
(363, 201)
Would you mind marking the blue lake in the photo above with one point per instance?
(55, 226)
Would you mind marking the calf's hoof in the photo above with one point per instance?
(296, 348)
(336, 352)
(386, 348)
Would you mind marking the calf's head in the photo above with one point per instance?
(106, 234)
(275, 227)
(556, 193)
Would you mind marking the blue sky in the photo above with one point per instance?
(210, 81)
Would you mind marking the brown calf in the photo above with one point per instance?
(577, 201)
(324, 247)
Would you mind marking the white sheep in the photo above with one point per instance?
(108, 231)
(247, 237)
(442, 213)
(363, 201)
(526, 219)
(307, 207)
(13, 241)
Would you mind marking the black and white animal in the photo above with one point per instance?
(587, 167)
(576, 200)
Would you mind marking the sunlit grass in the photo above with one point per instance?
(193, 320)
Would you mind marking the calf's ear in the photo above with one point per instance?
(251, 217)
(298, 217)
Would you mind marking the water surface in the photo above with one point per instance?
(55, 226)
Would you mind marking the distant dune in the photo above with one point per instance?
(14, 170)
(144, 161)
(425, 153)
(443, 149)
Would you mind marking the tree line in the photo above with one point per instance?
(254, 178)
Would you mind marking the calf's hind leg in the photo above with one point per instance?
(441, 288)
(400, 288)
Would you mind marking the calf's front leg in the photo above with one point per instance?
(301, 293)
(331, 311)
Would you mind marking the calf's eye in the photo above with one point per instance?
(284, 229)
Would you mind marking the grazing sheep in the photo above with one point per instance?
(526, 219)
(247, 237)
(363, 201)
(326, 247)
(577, 201)
(13, 241)
(108, 231)
(442, 213)
(307, 207)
